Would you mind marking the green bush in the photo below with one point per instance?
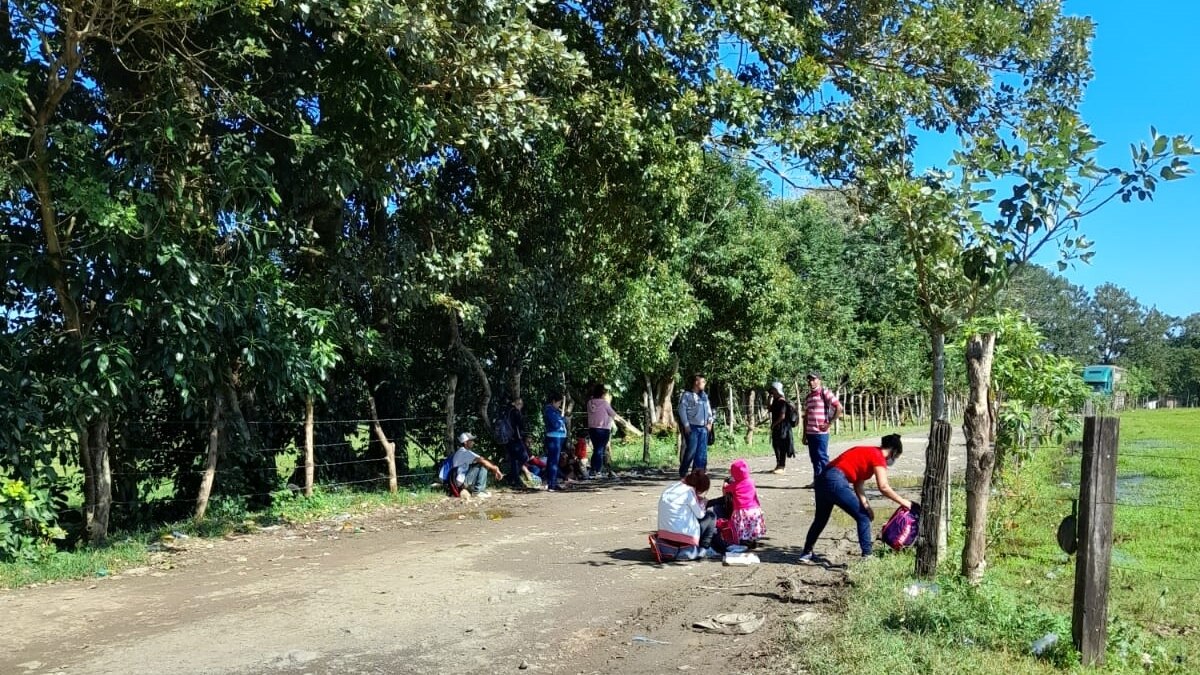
(28, 527)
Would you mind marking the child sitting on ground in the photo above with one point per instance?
(746, 514)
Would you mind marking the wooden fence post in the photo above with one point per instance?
(931, 536)
(1097, 496)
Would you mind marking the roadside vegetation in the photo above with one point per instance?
(895, 626)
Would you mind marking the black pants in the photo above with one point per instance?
(784, 448)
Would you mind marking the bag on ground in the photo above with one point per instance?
(900, 531)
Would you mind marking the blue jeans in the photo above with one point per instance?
(476, 479)
(599, 447)
(834, 489)
(818, 452)
(554, 447)
(695, 453)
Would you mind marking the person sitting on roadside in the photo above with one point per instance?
(470, 470)
(685, 526)
(746, 518)
(841, 485)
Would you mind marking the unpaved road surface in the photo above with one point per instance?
(550, 583)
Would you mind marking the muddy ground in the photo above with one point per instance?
(550, 583)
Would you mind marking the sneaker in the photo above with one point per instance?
(465, 494)
(778, 471)
(805, 557)
(484, 495)
(710, 553)
(736, 548)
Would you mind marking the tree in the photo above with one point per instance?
(1061, 311)
(1118, 317)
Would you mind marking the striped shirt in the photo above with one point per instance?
(815, 406)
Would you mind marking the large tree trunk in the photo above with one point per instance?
(935, 491)
(514, 381)
(310, 466)
(666, 396)
(210, 461)
(451, 393)
(389, 448)
(97, 477)
(981, 454)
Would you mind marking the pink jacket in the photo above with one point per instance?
(741, 488)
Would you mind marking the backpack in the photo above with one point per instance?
(445, 476)
(900, 531)
(793, 414)
(502, 429)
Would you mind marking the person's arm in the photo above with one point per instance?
(862, 499)
(882, 480)
(683, 415)
(697, 505)
(495, 470)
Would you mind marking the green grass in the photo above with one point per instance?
(129, 552)
(1154, 600)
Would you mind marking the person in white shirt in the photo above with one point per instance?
(684, 522)
(470, 470)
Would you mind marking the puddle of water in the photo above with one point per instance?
(1135, 488)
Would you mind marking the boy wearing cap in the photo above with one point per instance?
(821, 409)
(470, 470)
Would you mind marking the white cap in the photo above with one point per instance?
(466, 436)
(777, 387)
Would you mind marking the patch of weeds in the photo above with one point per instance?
(78, 564)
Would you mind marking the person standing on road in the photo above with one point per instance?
(783, 417)
(517, 450)
(556, 438)
(821, 410)
(841, 485)
(696, 417)
(600, 421)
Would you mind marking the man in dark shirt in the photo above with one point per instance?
(782, 414)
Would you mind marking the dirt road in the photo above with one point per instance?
(552, 583)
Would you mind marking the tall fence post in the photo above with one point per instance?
(1097, 496)
(934, 492)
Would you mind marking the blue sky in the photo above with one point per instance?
(1145, 74)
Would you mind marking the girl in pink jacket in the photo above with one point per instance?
(746, 517)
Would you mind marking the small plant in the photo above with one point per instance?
(27, 522)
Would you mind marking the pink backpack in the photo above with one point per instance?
(900, 531)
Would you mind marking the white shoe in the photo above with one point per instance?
(465, 494)
(484, 495)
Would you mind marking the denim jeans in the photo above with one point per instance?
(476, 479)
(834, 489)
(599, 448)
(818, 452)
(554, 447)
(695, 451)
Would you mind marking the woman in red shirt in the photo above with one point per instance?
(841, 484)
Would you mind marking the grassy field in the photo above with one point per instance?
(1154, 606)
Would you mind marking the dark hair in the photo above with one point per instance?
(695, 377)
(554, 397)
(699, 481)
(599, 391)
(892, 442)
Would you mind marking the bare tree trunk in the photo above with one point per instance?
(97, 481)
(981, 454)
(929, 530)
(310, 467)
(751, 416)
(210, 461)
(650, 407)
(389, 448)
(451, 392)
(514, 381)
(731, 399)
(666, 395)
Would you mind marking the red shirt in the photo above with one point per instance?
(859, 463)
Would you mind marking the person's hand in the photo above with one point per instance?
(498, 474)
(804, 439)
(708, 426)
(686, 431)
(869, 511)
(907, 504)
(824, 426)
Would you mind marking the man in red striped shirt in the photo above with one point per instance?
(821, 410)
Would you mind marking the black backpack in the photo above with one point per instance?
(503, 430)
(793, 414)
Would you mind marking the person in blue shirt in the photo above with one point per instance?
(696, 418)
(556, 438)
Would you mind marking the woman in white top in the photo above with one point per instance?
(684, 522)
